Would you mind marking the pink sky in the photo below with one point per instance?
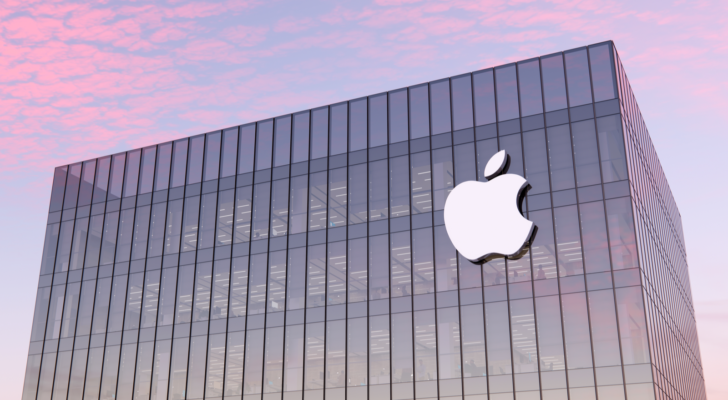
(88, 78)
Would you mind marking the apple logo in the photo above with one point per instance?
(484, 220)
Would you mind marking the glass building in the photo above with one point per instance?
(305, 256)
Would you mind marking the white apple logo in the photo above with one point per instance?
(483, 219)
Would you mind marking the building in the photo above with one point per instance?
(305, 256)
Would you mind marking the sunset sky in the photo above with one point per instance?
(81, 79)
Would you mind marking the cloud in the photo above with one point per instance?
(293, 24)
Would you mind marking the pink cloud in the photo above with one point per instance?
(293, 24)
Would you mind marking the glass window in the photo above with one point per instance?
(339, 128)
(378, 120)
(337, 197)
(293, 363)
(246, 152)
(42, 301)
(273, 364)
(317, 201)
(225, 217)
(277, 281)
(108, 243)
(399, 186)
(117, 176)
(336, 273)
(484, 97)
(146, 178)
(529, 84)
(178, 374)
(151, 299)
(568, 241)
(512, 145)
(190, 223)
(379, 267)
(203, 284)
(379, 351)
(243, 213)
(576, 331)
(78, 373)
(116, 307)
(298, 204)
(208, 208)
(212, 156)
(87, 183)
(402, 362)
(185, 292)
(229, 152)
(442, 176)
(423, 266)
(594, 233)
(622, 243)
(419, 109)
(282, 152)
(197, 151)
(258, 284)
(446, 264)
(220, 288)
(59, 184)
(63, 252)
(134, 301)
(537, 167)
(378, 190)
(426, 346)
(602, 72)
(523, 336)
(124, 241)
(296, 278)
(85, 308)
(550, 339)
(141, 233)
(465, 163)
(357, 200)
(102, 179)
(101, 305)
(174, 224)
(499, 343)
(507, 90)
(554, 85)
(93, 376)
(335, 354)
(401, 264)
(604, 328)
(316, 290)
(357, 267)
(55, 313)
(160, 374)
(462, 103)
(156, 230)
(586, 159)
(164, 166)
(261, 209)
(485, 150)
(398, 123)
(356, 355)
(179, 163)
(562, 167)
(263, 155)
(473, 337)
(215, 366)
(577, 75)
(234, 362)
(239, 289)
(314, 373)
(110, 372)
(300, 136)
(93, 245)
(167, 297)
(421, 182)
(127, 363)
(320, 133)
(440, 107)
(543, 254)
(611, 148)
(358, 124)
(72, 183)
(132, 173)
(632, 326)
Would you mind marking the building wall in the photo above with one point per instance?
(305, 256)
(677, 368)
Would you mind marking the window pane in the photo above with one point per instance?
(212, 156)
(110, 372)
(602, 73)
(586, 158)
(423, 266)
(134, 301)
(485, 150)
(465, 163)
(282, 154)
(87, 183)
(160, 376)
(611, 148)
(263, 155)
(399, 186)
(473, 332)
(594, 232)
(298, 204)
(59, 184)
(108, 243)
(356, 354)
(512, 145)
(499, 343)
(421, 182)
(258, 284)
(577, 74)
(446, 265)
(378, 120)
(314, 373)
(261, 208)
(239, 289)
(146, 178)
(604, 328)
(358, 124)
(484, 97)
(523, 336)
(358, 282)
(442, 176)
(273, 364)
(243, 213)
(277, 281)
(179, 163)
(142, 380)
(357, 200)
(102, 179)
(184, 294)
(568, 241)
(178, 374)
(174, 224)
(402, 348)
(426, 347)
(576, 331)
(337, 197)
(336, 273)
(543, 254)
(220, 288)
(124, 241)
(225, 218)
(72, 183)
(529, 84)
(151, 299)
(379, 350)
(316, 288)
(320, 133)
(338, 129)
(335, 354)
(378, 190)
(85, 308)
(550, 340)
(448, 343)
(507, 89)
(234, 362)
(116, 307)
(229, 152)
(554, 85)
(117, 176)
(419, 111)
(164, 165)
(562, 167)
(293, 364)
(440, 107)
(300, 136)
(194, 169)
(317, 201)
(93, 246)
(622, 243)
(379, 267)
(167, 297)
(537, 167)
(208, 210)
(462, 103)
(141, 233)
(296, 278)
(101, 305)
(190, 223)
(63, 253)
(398, 125)
(203, 285)
(246, 152)
(132, 173)
(632, 327)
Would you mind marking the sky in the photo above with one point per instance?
(82, 79)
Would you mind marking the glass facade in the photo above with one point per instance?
(305, 257)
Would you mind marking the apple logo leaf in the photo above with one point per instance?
(484, 220)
